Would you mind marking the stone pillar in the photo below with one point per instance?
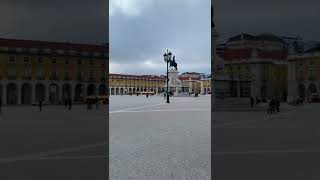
(60, 92)
(19, 93)
(190, 87)
(238, 89)
(47, 96)
(4, 97)
(33, 92)
(72, 86)
(292, 85)
(201, 87)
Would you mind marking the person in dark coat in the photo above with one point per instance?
(65, 103)
(97, 103)
(277, 105)
(40, 105)
(271, 106)
(251, 102)
(0, 104)
(70, 103)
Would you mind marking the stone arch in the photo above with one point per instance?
(301, 90)
(66, 91)
(12, 93)
(312, 88)
(54, 93)
(26, 93)
(91, 90)
(112, 91)
(79, 92)
(102, 90)
(1, 93)
(263, 91)
(40, 92)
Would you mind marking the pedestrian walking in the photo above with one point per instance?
(70, 103)
(147, 95)
(277, 105)
(251, 102)
(40, 105)
(65, 104)
(0, 104)
(97, 103)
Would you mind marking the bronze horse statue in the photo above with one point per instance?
(173, 63)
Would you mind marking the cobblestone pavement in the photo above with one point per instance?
(150, 139)
(53, 144)
(255, 145)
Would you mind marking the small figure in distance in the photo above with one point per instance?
(70, 103)
(97, 102)
(0, 104)
(277, 105)
(65, 103)
(251, 101)
(40, 105)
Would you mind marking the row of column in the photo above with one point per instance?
(46, 89)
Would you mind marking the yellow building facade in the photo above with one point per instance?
(304, 74)
(52, 72)
(131, 84)
(256, 66)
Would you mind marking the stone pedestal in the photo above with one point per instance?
(174, 82)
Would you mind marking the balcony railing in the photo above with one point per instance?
(26, 77)
(300, 78)
(67, 78)
(11, 77)
(91, 79)
(312, 78)
(40, 78)
(53, 78)
(79, 78)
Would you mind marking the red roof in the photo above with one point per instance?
(186, 78)
(281, 55)
(233, 54)
(14, 43)
(124, 76)
(230, 54)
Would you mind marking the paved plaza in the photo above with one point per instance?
(254, 145)
(150, 139)
(53, 144)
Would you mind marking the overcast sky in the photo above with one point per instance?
(142, 30)
(80, 21)
(281, 17)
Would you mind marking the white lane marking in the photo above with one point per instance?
(49, 153)
(166, 110)
(140, 107)
(267, 151)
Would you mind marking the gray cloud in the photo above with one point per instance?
(285, 17)
(141, 31)
(79, 21)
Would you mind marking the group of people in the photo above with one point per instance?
(274, 106)
(68, 103)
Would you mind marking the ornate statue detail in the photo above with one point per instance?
(173, 63)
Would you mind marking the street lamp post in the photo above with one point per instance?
(167, 59)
